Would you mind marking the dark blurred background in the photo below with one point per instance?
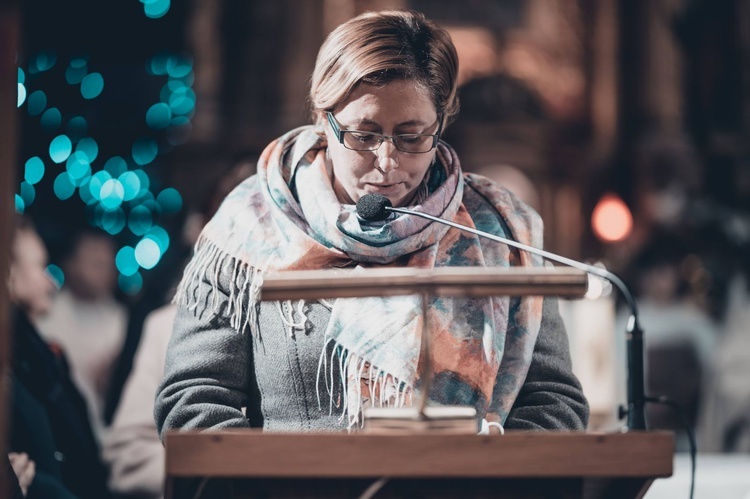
(623, 122)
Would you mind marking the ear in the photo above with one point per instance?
(320, 119)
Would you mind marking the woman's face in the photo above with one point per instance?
(400, 107)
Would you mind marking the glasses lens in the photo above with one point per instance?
(413, 143)
(361, 141)
(365, 141)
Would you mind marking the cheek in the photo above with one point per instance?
(418, 167)
(349, 167)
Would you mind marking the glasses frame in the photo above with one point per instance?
(336, 127)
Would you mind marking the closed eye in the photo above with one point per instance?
(364, 137)
(413, 138)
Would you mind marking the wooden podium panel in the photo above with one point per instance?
(518, 464)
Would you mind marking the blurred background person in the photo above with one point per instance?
(680, 336)
(724, 424)
(132, 448)
(86, 321)
(49, 420)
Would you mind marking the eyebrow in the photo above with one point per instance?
(365, 121)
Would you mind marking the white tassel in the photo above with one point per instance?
(207, 264)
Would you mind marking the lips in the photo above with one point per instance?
(383, 188)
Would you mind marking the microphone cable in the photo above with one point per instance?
(679, 411)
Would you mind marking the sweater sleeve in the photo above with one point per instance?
(207, 367)
(551, 397)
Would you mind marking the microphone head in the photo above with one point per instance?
(373, 207)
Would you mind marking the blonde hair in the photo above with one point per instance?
(380, 47)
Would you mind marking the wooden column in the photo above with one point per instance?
(10, 20)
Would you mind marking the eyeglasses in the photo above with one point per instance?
(358, 140)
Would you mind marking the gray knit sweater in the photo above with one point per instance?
(212, 372)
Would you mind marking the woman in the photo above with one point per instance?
(383, 90)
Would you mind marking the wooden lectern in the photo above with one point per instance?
(338, 465)
(251, 463)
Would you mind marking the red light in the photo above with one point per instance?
(612, 220)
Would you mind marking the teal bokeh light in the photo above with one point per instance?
(37, 103)
(60, 148)
(79, 62)
(84, 191)
(158, 116)
(160, 237)
(145, 182)
(131, 284)
(63, 186)
(77, 128)
(182, 100)
(125, 261)
(78, 166)
(175, 84)
(139, 220)
(166, 92)
(188, 79)
(147, 253)
(97, 182)
(145, 151)
(33, 170)
(76, 71)
(83, 184)
(89, 147)
(42, 62)
(20, 205)
(158, 65)
(92, 85)
(179, 67)
(51, 118)
(111, 194)
(116, 166)
(21, 95)
(169, 200)
(56, 274)
(28, 193)
(113, 221)
(21, 76)
(155, 9)
(132, 185)
(149, 202)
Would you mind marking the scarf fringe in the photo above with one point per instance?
(207, 264)
(346, 392)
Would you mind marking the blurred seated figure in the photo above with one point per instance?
(724, 424)
(49, 418)
(86, 321)
(132, 447)
(679, 337)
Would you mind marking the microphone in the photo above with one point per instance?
(375, 207)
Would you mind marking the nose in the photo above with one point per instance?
(386, 156)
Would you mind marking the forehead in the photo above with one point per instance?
(400, 100)
(96, 245)
(28, 246)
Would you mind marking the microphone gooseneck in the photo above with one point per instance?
(377, 207)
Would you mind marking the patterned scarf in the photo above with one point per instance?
(287, 217)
